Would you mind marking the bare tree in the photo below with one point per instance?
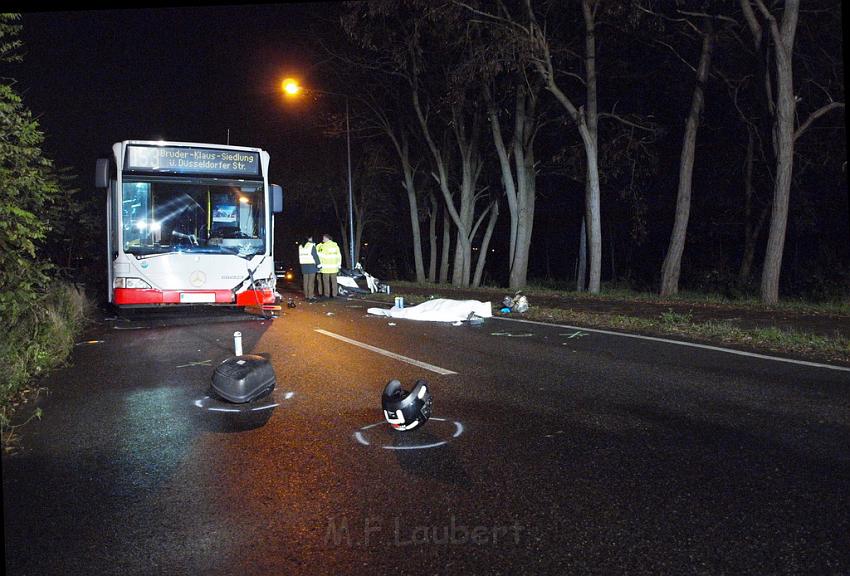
(779, 88)
(782, 35)
(539, 44)
(370, 202)
(511, 95)
(449, 118)
(673, 260)
(401, 143)
(517, 165)
(585, 118)
(388, 116)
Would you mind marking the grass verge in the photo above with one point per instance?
(672, 324)
(40, 341)
(772, 339)
(837, 307)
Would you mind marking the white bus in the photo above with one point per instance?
(189, 224)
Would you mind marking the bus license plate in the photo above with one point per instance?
(197, 297)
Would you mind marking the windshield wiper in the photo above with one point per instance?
(151, 255)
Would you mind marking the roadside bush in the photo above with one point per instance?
(40, 324)
(42, 339)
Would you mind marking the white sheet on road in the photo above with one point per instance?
(438, 310)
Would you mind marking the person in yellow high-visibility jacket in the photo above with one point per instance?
(330, 259)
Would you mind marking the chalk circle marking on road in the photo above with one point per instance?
(210, 404)
(443, 430)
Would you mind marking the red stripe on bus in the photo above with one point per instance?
(124, 296)
(153, 296)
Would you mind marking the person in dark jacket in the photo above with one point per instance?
(308, 257)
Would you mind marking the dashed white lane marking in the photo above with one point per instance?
(387, 353)
(681, 343)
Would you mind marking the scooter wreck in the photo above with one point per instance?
(358, 281)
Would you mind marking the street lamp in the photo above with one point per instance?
(292, 88)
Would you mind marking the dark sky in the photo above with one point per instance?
(96, 77)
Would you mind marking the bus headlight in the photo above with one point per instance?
(121, 282)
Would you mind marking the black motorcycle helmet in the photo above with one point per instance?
(406, 410)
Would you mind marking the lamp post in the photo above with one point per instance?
(292, 88)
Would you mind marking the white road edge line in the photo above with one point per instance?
(682, 343)
(425, 365)
(668, 341)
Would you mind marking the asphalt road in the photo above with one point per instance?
(550, 452)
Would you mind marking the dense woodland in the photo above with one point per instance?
(651, 144)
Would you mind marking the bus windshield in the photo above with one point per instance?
(162, 215)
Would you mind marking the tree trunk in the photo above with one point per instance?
(750, 243)
(611, 251)
(518, 180)
(417, 236)
(752, 230)
(410, 188)
(343, 231)
(397, 133)
(586, 119)
(359, 225)
(784, 137)
(470, 162)
(581, 277)
(344, 242)
(446, 248)
(526, 189)
(519, 270)
(673, 261)
(432, 236)
(459, 255)
(505, 166)
(590, 133)
(485, 244)
(594, 220)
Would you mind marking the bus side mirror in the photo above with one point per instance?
(277, 199)
(101, 173)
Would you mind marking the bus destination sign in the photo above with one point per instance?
(185, 160)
